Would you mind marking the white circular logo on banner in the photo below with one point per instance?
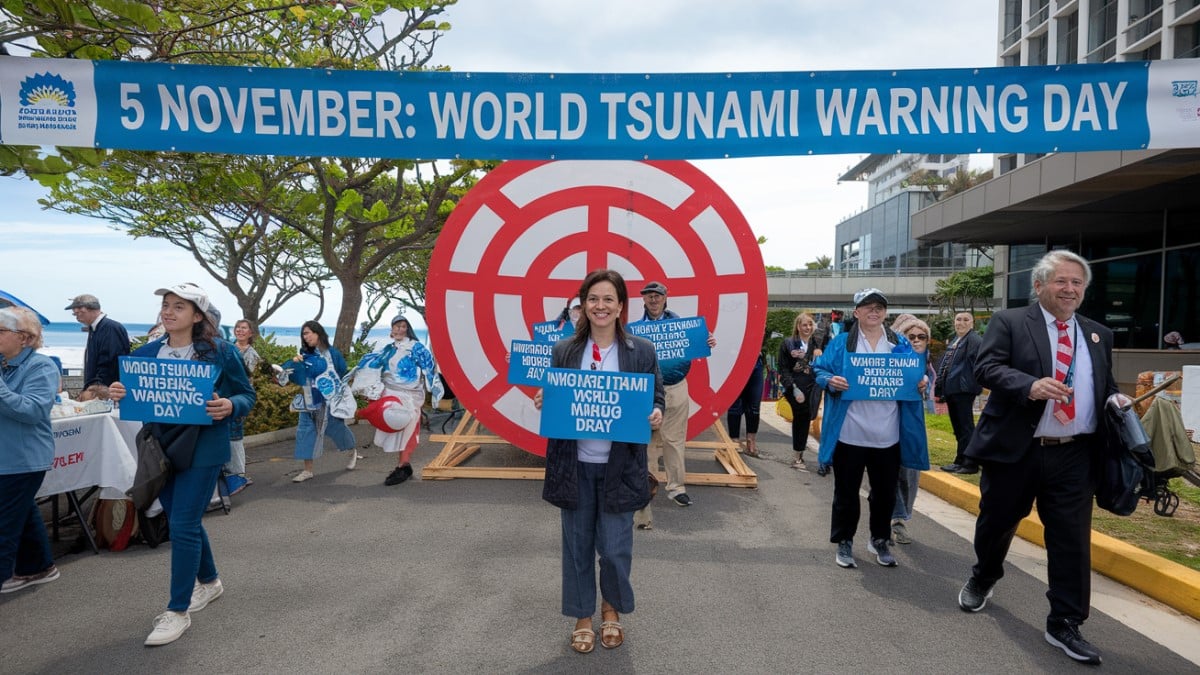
(522, 240)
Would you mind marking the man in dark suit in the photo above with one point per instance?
(1050, 374)
(957, 387)
(107, 340)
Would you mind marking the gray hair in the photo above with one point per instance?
(1049, 262)
(24, 321)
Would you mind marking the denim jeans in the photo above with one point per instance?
(906, 493)
(24, 546)
(589, 530)
(309, 446)
(185, 497)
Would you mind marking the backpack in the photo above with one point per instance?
(154, 529)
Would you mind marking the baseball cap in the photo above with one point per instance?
(870, 295)
(86, 301)
(654, 287)
(188, 291)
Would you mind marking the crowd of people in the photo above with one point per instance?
(1048, 368)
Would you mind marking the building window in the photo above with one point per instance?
(1145, 17)
(1068, 39)
(1038, 53)
(1102, 31)
(1181, 294)
(1124, 295)
(1154, 53)
(1187, 40)
(1012, 23)
(1181, 228)
(1007, 163)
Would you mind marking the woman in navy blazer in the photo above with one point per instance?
(192, 335)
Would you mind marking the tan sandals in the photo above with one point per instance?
(583, 640)
(612, 635)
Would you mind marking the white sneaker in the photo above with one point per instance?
(302, 476)
(354, 457)
(202, 594)
(168, 626)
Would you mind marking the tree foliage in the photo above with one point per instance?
(968, 290)
(823, 262)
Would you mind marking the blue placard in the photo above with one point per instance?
(432, 114)
(528, 362)
(675, 339)
(166, 390)
(597, 404)
(883, 377)
(552, 331)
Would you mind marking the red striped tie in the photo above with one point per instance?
(1063, 412)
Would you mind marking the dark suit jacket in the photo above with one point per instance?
(960, 379)
(1016, 351)
(104, 345)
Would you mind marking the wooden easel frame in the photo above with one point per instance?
(466, 440)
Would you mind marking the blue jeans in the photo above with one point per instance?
(185, 497)
(586, 531)
(906, 493)
(24, 546)
(308, 446)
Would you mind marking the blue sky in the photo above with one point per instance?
(795, 202)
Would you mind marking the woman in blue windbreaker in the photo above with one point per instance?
(191, 335)
(878, 436)
(316, 368)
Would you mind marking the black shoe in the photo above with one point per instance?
(1065, 635)
(974, 595)
(682, 499)
(967, 469)
(399, 475)
(952, 467)
(823, 470)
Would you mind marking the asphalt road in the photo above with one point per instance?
(343, 574)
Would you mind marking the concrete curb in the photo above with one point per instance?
(1168, 582)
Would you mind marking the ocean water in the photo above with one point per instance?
(67, 341)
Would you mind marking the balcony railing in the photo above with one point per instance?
(1144, 26)
(879, 272)
(1039, 17)
(1010, 39)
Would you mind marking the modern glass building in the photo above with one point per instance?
(1135, 215)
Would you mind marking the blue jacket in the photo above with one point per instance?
(212, 445)
(626, 487)
(313, 365)
(914, 442)
(27, 387)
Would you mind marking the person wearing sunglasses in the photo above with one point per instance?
(917, 332)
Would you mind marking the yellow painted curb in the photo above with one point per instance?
(1168, 582)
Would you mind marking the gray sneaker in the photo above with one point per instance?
(900, 533)
(883, 554)
(845, 556)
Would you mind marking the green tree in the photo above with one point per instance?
(823, 262)
(969, 290)
(779, 327)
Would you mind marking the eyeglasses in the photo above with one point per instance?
(918, 336)
(9, 330)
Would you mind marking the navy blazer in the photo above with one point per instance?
(1016, 352)
(626, 487)
(960, 378)
(105, 344)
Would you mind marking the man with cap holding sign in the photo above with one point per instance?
(668, 441)
(107, 341)
(878, 436)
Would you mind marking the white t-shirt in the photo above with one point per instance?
(872, 424)
(595, 451)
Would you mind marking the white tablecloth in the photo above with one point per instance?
(92, 450)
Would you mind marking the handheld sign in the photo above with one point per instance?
(528, 362)
(597, 404)
(166, 390)
(551, 331)
(675, 338)
(883, 377)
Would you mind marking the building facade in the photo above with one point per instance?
(1134, 214)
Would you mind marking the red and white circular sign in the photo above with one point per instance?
(522, 240)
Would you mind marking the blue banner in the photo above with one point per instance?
(675, 339)
(883, 377)
(320, 112)
(166, 390)
(552, 331)
(597, 404)
(528, 362)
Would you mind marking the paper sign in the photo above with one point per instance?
(552, 331)
(528, 362)
(675, 339)
(883, 377)
(166, 390)
(597, 404)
